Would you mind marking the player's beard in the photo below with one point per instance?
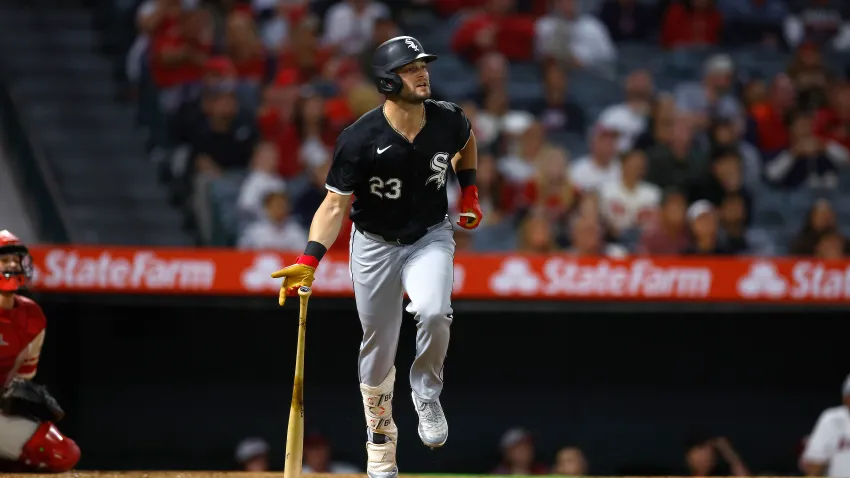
(414, 97)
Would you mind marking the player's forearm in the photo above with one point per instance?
(327, 223)
(814, 469)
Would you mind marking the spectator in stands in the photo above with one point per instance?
(314, 131)
(536, 234)
(669, 233)
(769, 118)
(724, 178)
(354, 96)
(738, 238)
(277, 120)
(821, 218)
(556, 111)
(245, 48)
(492, 75)
(570, 461)
(262, 176)
(601, 165)
(823, 22)
(810, 161)
(675, 161)
(831, 245)
(833, 123)
(690, 23)
(506, 124)
(179, 52)
(495, 28)
(304, 52)
(659, 128)
(630, 117)
(276, 22)
(252, 455)
(573, 39)
(349, 23)
(811, 77)
(278, 230)
(753, 21)
(629, 202)
(705, 230)
(713, 97)
(587, 238)
(486, 131)
(309, 192)
(551, 189)
(725, 135)
(628, 20)
(518, 452)
(530, 145)
(152, 16)
(701, 457)
(383, 29)
(317, 457)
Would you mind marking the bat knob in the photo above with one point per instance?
(304, 291)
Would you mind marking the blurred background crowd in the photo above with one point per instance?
(605, 128)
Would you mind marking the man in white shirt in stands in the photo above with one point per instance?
(278, 230)
(828, 449)
(601, 166)
(630, 201)
(630, 117)
(580, 40)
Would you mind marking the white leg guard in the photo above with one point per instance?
(380, 428)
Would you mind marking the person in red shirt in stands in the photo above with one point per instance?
(338, 109)
(245, 48)
(178, 54)
(691, 23)
(29, 441)
(276, 119)
(304, 51)
(770, 117)
(497, 28)
(833, 122)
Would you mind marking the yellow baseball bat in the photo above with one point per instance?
(295, 431)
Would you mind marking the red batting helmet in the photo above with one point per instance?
(16, 273)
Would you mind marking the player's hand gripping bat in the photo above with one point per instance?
(295, 432)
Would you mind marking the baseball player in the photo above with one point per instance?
(394, 161)
(29, 441)
(827, 451)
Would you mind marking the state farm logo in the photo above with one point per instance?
(762, 280)
(138, 271)
(566, 277)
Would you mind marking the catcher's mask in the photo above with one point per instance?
(392, 55)
(15, 263)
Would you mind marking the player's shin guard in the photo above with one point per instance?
(49, 450)
(380, 428)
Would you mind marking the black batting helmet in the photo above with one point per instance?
(393, 54)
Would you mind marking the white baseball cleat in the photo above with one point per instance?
(433, 428)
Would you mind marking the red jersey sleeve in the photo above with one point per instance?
(35, 327)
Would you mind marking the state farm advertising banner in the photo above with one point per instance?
(477, 276)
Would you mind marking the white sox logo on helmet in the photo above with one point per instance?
(439, 164)
(409, 42)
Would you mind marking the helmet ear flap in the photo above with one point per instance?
(390, 84)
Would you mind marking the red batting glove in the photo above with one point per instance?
(470, 210)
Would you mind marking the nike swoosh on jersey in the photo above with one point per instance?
(381, 150)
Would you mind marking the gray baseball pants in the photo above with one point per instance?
(382, 272)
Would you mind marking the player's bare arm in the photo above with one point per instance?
(328, 219)
(814, 469)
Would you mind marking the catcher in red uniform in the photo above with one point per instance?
(29, 441)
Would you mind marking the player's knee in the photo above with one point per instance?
(49, 450)
(434, 317)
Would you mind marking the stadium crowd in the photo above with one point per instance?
(244, 100)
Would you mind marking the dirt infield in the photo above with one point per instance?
(210, 474)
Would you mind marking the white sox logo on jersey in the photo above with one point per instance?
(439, 164)
(411, 45)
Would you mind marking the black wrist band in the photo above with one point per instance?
(315, 249)
(466, 177)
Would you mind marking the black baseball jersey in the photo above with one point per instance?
(399, 186)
